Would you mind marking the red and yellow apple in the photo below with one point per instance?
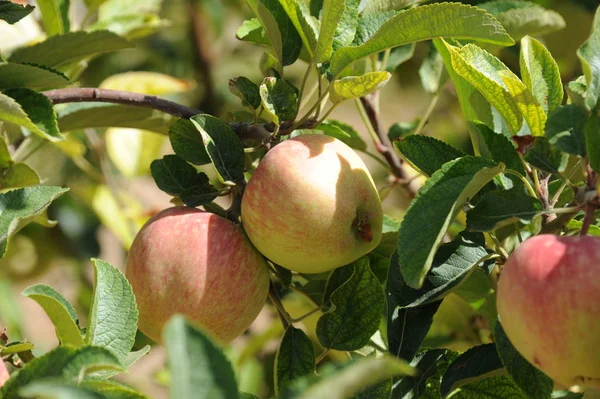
(200, 265)
(312, 206)
(549, 305)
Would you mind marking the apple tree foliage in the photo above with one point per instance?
(535, 156)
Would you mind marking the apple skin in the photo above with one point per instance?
(549, 305)
(312, 206)
(200, 265)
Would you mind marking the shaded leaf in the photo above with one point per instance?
(357, 306)
(31, 110)
(246, 90)
(222, 146)
(198, 367)
(521, 18)
(429, 365)
(478, 363)
(532, 381)
(499, 208)
(592, 142)
(31, 76)
(546, 157)
(501, 387)
(589, 55)
(279, 98)
(343, 132)
(12, 12)
(186, 141)
(565, 129)
(295, 357)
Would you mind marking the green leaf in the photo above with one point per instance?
(577, 91)
(452, 263)
(295, 357)
(21, 207)
(112, 389)
(113, 313)
(246, 90)
(110, 9)
(352, 379)
(176, 177)
(18, 175)
(540, 74)
(12, 12)
(546, 157)
(357, 86)
(269, 27)
(375, 6)
(499, 208)
(426, 154)
(429, 365)
(61, 50)
(282, 34)
(501, 387)
(333, 12)
(400, 130)
(31, 76)
(521, 18)
(565, 129)
(435, 207)
(98, 115)
(306, 25)
(346, 26)
(406, 327)
(478, 363)
(369, 24)
(87, 389)
(423, 23)
(252, 31)
(592, 142)
(55, 15)
(502, 88)
(589, 56)
(500, 148)
(343, 132)
(432, 72)
(357, 304)
(16, 347)
(532, 381)
(474, 105)
(31, 110)
(279, 98)
(199, 369)
(223, 147)
(399, 55)
(61, 313)
(132, 26)
(63, 361)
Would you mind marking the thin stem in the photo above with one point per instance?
(286, 320)
(374, 157)
(304, 316)
(302, 120)
(590, 210)
(558, 192)
(432, 103)
(368, 124)
(386, 59)
(499, 246)
(320, 87)
(524, 180)
(519, 236)
(322, 356)
(329, 111)
(304, 80)
(28, 147)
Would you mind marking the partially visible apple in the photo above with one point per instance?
(3, 373)
(200, 265)
(311, 205)
(549, 305)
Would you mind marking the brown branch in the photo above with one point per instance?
(385, 146)
(88, 94)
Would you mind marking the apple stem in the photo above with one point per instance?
(590, 210)
(284, 316)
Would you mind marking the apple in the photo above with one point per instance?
(549, 305)
(312, 206)
(200, 265)
(4, 376)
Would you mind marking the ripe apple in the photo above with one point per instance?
(200, 265)
(549, 305)
(311, 205)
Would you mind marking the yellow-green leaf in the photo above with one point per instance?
(357, 86)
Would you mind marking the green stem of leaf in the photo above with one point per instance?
(303, 85)
(499, 246)
(524, 180)
(432, 103)
(322, 356)
(367, 122)
(386, 58)
(380, 161)
(304, 316)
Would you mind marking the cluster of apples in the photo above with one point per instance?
(310, 206)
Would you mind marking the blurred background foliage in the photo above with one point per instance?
(186, 51)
